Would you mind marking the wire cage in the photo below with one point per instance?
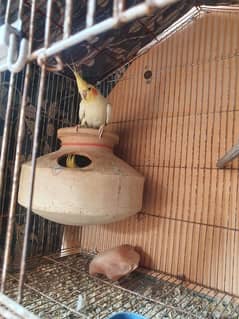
(57, 111)
(40, 275)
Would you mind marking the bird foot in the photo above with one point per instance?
(77, 127)
(101, 131)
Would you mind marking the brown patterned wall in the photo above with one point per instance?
(173, 130)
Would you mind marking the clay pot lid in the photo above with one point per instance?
(70, 136)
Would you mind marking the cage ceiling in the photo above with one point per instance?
(103, 54)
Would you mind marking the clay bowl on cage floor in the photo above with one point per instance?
(101, 189)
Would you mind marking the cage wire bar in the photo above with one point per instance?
(67, 21)
(34, 153)
(119, 16)
(190, 16)
(17, 167)
(16, 173)
(9, 102)
(58, 110)
(15, 310)
(182, 22)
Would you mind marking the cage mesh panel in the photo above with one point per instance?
(59, 109)
(54, 283)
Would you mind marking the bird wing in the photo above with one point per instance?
(108, 113)
(82, 111)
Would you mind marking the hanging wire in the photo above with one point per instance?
(8, 109)
(34, 153)
(20, 9)
(6, 130)
(68, 19)
(15, 182)
(91, 29)
(90, 13)
(32, 177)
(7, 14)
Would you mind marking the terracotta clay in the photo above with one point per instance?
(115, 263)
(103, 191)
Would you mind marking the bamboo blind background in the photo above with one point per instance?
(173, 129)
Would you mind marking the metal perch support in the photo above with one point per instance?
(229, 156)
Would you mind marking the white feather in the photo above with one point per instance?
(108, 113)
(95, 112)
(82, 112)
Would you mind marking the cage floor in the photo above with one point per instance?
(54, 284)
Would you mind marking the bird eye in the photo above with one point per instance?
(89, 89)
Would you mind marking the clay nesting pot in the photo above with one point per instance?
(100, 189)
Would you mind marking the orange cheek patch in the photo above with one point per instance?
(94, 91)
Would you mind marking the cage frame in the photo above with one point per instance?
(120, 15)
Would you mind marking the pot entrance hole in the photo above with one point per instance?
(74, 161)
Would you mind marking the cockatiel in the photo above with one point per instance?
(115, 263)
(70, 161)
(95, 111)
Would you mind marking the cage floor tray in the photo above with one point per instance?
(54, 284)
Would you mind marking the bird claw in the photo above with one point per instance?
(101, 131)
(77, 127)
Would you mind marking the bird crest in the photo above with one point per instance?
(87, 91)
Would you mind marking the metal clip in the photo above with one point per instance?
(58, 66)
(19, 63)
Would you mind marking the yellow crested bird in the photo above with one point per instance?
(71, 161)
(95, 110)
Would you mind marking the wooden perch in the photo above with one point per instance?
(229, 156)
